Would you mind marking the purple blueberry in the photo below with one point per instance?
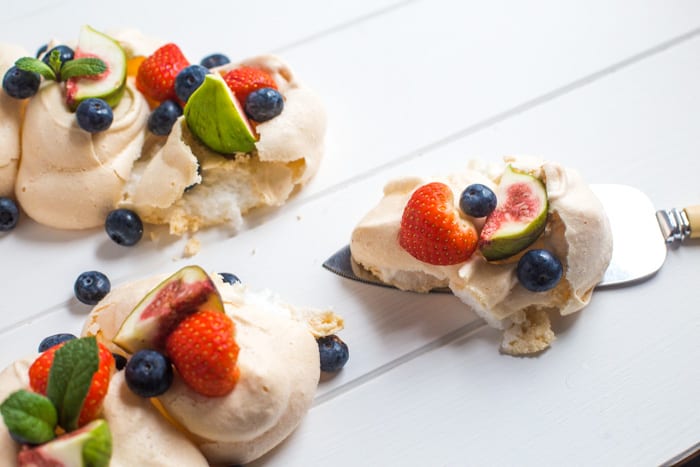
(90, 287)
(477, 200)
(94, 115)
(19, 83)
(333, 352)
(539, 270)
(264, 104)
(124, 227)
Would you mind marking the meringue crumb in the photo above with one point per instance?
(192, 247)
(298, 217)
(533, 334)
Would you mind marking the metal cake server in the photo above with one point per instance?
(641, 236)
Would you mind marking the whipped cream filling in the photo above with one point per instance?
(10, 124)
(278, 362)
(70, 179)
(577, 232)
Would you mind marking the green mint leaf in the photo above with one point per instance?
(36, 66)
(87, 66)
(55, 62)
(71, 373)
(29, 416)
(98, 449)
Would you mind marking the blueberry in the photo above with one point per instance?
(94, 115)
(477, 200)
(119, 361)
(42, 50)
(264, 104)
(188, 80)
(124, 227)
(65, 54)
(229, 278)
(20, 84)
(163, 117)
(91, 287)
(214, 60)
(539, 270)
(56, 339)
(9, 214)
(148, 373)
(333, 352)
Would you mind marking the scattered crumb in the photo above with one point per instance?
(192, 247)
(252, 252)
(298, 217)
(529, 336)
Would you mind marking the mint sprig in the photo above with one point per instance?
(36, 66)
(88, 66)
(73, 367)
(62, 71)
(29, 416)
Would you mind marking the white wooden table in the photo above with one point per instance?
(612, 88)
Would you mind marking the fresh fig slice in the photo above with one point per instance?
(108, 86)
(519, 218)
(89, 445)
(153, 319)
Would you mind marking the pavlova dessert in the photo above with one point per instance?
(514, 241)
(122, 129)
(213, 374)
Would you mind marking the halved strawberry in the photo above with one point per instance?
(244, 80)
(432, 229)
(92, 406)
(204, 351)
(155, 77)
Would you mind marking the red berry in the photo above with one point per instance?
(432, 229)
(244, 80)
(204, 352)
(92, 406)
(156, 74)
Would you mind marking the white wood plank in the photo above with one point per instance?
(476, 48)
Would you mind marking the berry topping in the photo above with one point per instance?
(477, 200)
(40, 373)
(124, 227)
(264, 104)
(204, 352)
(539, 270)
(94, 115)
(229, 278)
(65, 54)
(91, 287)
(55, 339)
(9, 214)
(156, 75)
(119, 361)
(432, 230)
(214, 60)
(333, 352)
(148, 373)
(41, 50)
(20, 84)
(244, 80)
(163, 117)
(188, 80)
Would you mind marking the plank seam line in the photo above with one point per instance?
(507, 114)
(446, 339)
(342, 26)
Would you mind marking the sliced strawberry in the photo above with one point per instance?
(432, 229)
(155, 77)
(92, 406)
(244, 80)
(204, 352)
